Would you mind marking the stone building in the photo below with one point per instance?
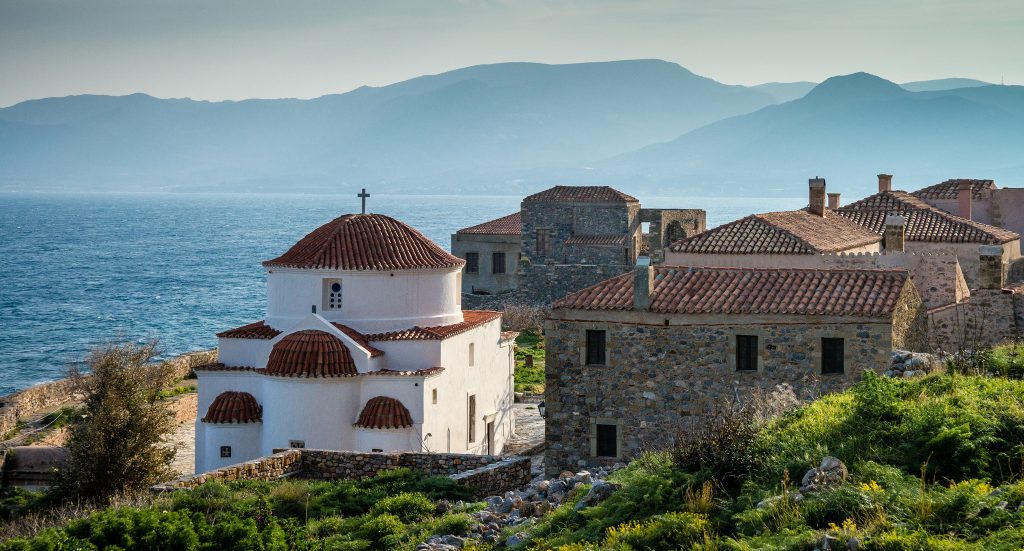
(565, 238)
(365, 347)
(637, 358)
(931, 229)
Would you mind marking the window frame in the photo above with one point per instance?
(748, 362)
(329, 293)
(225, 452)
(472, 262)
(471, 418)
(498, 268)
(827, 359)
(598, 349)
(595, 440)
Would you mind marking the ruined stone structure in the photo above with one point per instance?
(637, 358)
(565, 238)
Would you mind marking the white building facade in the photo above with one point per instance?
(364, 347)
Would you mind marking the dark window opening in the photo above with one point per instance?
(471, 419)
(595, 347)
(297, 444)
(607, 440)
(542, 242)
(832, 355)
(225, 451)
(746, 353)
(498, 263)
(472, 263)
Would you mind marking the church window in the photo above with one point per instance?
(297, 444)
(832, 355)
(472, 353)
(471, 419)
(225, 451)
(595, 347)
(332, 294)
(497, 263)
(746, 352)
(433, 396)
(472, 263)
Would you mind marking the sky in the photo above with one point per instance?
(219, 49)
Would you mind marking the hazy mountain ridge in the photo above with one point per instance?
(514, 127)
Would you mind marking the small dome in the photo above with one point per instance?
(365, 242)
(383, 412)
(234, 407)
(311, 353)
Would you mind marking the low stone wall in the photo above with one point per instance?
(988, 318)
(546, 283)
(271, 467)
(46, 395)
(485, 474)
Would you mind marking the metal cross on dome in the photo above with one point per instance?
(363, 195)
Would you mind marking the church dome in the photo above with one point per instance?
(383, 412)
(365, 242)
(311, 353)
(234, 407)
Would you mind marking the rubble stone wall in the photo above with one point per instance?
(544, 284)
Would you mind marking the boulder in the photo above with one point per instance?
(830, 473)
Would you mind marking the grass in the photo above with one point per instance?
(529, 379)
(176, 391)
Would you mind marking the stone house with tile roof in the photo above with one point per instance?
(364, 347)
(636, 359)
(565, 238)
(979, 200)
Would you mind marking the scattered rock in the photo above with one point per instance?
(830, 473)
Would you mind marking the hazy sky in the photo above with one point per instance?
(211, 49)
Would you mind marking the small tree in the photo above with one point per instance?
(116, 446)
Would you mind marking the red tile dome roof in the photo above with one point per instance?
(383, 412)
(311, 353)
(365, 242)
(234, 407)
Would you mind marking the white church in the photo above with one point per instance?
(365, 347)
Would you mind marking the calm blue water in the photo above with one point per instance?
(78, 270)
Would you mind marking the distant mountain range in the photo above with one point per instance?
(648, 126)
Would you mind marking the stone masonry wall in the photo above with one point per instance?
(659, 380)
(563, 220)
(988, 318)
(485, 474)
(46, 395)
(543, 284)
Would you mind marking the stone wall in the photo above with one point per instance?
(988, 318)
(485, 474)
(563, 220)
(544, 284)
(46, 395)
(669, 225)
(659, 377)
(485, 280)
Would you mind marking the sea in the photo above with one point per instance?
(78, 270)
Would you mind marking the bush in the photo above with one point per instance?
(381, 529)
(408, 507)
(290, 499)
(662, 533)
(723, 449)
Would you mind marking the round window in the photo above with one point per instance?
(336, 287)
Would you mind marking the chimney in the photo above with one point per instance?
(963, 199)
(833, 201)
(991, 269)
(643, 283)
(884, 182)
(895, 233)
(817, 196)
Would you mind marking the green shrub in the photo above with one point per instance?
(452, 523)
(661, 533)
(381, 529)
(723, 450)
(408, 507)
(290, 499)
(442, 487)
(834, 506)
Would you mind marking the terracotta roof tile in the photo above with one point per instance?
(365, 242)
(950, 189)
(506, 225)
(596, 240)
(221, 367)
(255, 330)
(924, 222)
(383, 412)
(470, 320)
(310, 353)
(396, 373)
(234, 407)
(686, 290)
(580, 194)
(359, 338)
(509, 335)
(788, 232)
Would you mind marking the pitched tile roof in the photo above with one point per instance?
(950, 189)
(234, 407)
(924, 222)
(506, 225)
(509, 335)
(787, 232)
(221, 367)
(581, 194)
(383, 412)
(687, 290)
(470, 320)
(396, 373)
(596, 240)
(310, 353)
(365, 242)
(254, 330)
(359, 338)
